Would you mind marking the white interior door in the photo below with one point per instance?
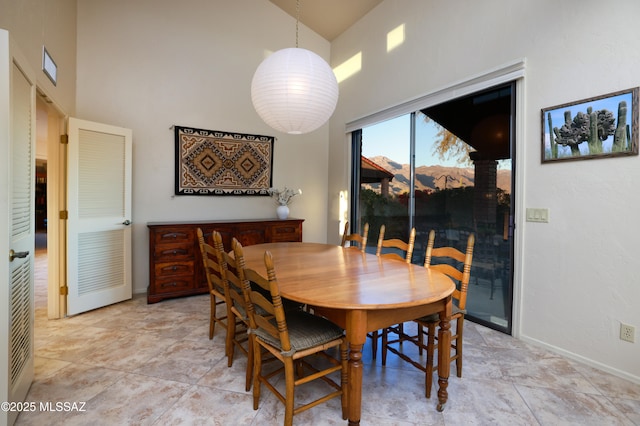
(99, 206)
(17, 178)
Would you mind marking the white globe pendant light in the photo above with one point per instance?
(294, 90)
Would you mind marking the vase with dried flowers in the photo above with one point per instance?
(283, 197)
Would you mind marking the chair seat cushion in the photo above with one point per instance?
(305, 331)
(436, 317)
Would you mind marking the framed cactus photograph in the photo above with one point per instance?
(599, 127)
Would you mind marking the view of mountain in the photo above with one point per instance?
(433, 177)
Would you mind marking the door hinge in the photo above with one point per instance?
(64, 214)
(64, 291)
(64, 139)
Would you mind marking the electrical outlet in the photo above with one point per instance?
(627, 333)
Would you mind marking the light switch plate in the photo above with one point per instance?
(537, 215)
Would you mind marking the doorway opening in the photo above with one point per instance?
(41, 204)
(49, 235)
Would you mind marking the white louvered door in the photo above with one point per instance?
(99, 205)
(17, 177)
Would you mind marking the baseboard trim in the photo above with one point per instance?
(591, 363)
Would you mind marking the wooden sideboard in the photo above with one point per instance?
(175, 265)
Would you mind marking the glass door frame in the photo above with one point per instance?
(355, 197)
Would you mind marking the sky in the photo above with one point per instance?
(391, 139)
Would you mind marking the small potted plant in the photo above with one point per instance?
(283, 197)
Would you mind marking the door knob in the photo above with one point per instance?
(20, 254)
(127, 222)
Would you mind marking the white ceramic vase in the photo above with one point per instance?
(282, 212)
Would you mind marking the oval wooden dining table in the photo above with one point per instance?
(360, 292)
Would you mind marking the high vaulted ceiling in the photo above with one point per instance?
(329, 18)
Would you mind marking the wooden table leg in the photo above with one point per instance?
(356, 335)
(444, 355)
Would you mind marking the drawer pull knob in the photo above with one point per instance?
(174, 252)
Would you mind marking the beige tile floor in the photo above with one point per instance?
(139, 364)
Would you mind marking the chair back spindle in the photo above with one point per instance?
(348, 240)
(392, 245)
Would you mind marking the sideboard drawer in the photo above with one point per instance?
(176, 251)
(174, 268)
(174, 235)
(176, 284)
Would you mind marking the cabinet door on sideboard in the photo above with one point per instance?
(285, 232)
(226, 232)
(250, 234)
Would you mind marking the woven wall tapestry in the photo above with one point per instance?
(211, 162)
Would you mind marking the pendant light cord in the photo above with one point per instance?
(297, 20)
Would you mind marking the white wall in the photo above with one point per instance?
(52, 23)
(150, 64)
(575, 276)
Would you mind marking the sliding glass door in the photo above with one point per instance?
(447, 168)
(384, 180)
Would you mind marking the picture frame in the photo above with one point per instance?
(598, 127)
(213, 162)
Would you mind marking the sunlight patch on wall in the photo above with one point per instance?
(348, 67)
(343, 210)
(395, 37)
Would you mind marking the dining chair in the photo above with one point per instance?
(238, 322)
(213, 273)
(360, 241)
(457, 265)
(391, 248)
(218, 269)
(290, 337)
